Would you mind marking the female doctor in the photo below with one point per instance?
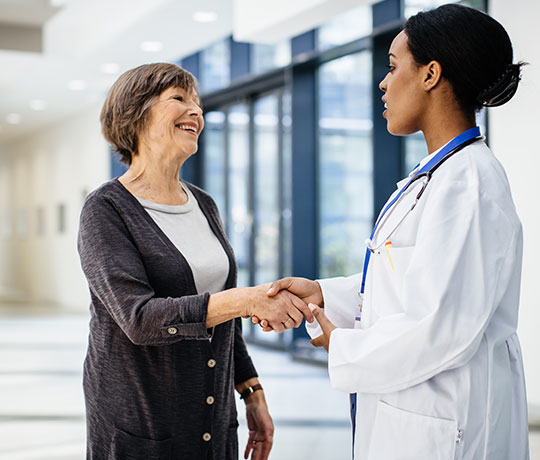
(425, 339)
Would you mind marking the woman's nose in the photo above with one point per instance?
(382, 85)
(195, 110)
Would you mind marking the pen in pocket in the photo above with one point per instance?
(388, 246)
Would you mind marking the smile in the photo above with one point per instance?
(190, 128)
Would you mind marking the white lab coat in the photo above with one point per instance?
(435, 359)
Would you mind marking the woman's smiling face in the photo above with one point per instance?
(175, 121)
(403, 86)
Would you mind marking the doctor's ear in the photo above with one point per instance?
(432, 73)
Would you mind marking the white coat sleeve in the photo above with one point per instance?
(341, 302)
(450, 292)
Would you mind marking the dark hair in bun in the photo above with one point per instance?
(474, 50)
(503, 89)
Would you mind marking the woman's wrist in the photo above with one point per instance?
(226, 305)
(251, 391)
(256, 398)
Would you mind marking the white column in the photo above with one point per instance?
(513, 130)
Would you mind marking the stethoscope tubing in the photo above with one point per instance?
(426, 174)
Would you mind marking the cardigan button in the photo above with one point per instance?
(172, 330)
(206, 437)
(210, 400)
(211, 363)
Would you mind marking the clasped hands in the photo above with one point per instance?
(287, 302)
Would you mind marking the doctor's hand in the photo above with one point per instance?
(309, 291)
(305, 289)
(326, 325)
(279, 312)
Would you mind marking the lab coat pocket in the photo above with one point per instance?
(397, 260)
(389, 267)
(400, 434)
(125, 446)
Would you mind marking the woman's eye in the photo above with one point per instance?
(390, 68)
(179, 98)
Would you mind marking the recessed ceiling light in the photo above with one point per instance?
(77, 85)
(110, 68)
(38, 105)
(151, 46)
(13, 118)
(205, 16)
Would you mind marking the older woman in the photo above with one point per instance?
(165, 348)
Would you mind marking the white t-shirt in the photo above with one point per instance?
(188, 229)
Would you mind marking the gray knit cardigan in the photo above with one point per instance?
(156, 387)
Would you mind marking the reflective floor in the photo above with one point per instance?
(42, 408)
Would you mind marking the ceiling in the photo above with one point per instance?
(77, 38)
(53, 52)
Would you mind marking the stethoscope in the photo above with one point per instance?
(424, 174)
(425, 177)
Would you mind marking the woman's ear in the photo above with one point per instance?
(432, 74)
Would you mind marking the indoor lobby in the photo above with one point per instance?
(294, 152)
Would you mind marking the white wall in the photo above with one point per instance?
(57, 165)
(513, 131)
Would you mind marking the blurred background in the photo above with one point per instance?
(295, 152)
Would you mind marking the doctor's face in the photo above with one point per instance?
(404, 96)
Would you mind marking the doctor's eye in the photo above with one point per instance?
(390, 68)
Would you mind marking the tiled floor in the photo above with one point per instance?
(42, 409)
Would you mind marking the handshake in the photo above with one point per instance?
(283, 304)
(275, 306)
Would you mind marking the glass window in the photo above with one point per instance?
(415, 150)
(265, 57)
(286, 186)
(414, 6)
(273, 199)
(345, 163)
(345, 27)
(266, 189)
(240, 220)
(214, 158)
(215, 66)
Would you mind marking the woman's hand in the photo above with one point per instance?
(280, 311)
(307, 290)
(260, 425)
(283, 310)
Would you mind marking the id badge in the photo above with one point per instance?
(358, 316)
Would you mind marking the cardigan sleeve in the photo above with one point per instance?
(243, 366)
(117, 277)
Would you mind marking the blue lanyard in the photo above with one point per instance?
(452, 147)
